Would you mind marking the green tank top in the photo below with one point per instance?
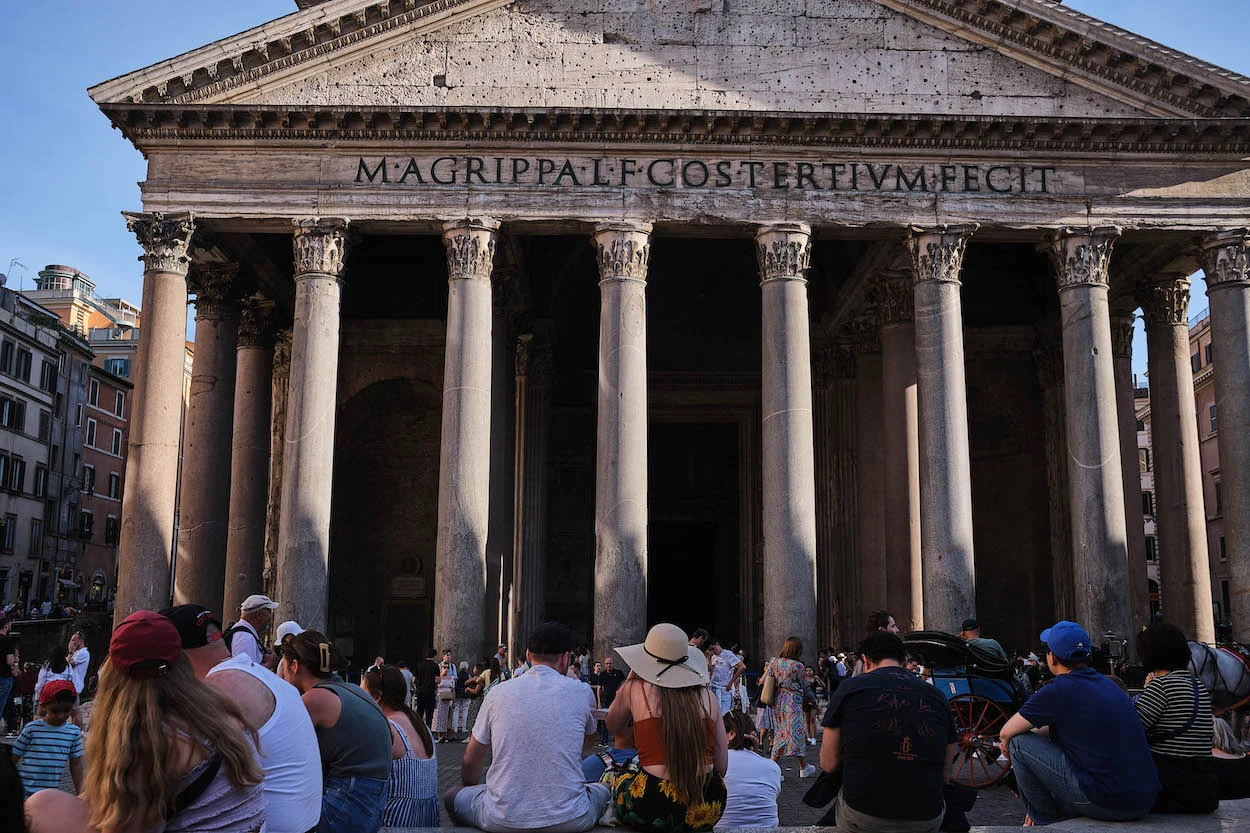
(359, 744)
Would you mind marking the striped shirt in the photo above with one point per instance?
(1165, 709)
(44, 752)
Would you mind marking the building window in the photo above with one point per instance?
(45, 425)
(60, 363)
(1152, 548)
(54, 454)
(93, 392)
(9, 537)
(86, 524)
(36, 536)
(110, 530)
(1143, 459)
(13, 414)
(117, 442)
(1223, 550)
(1195, 362)
(60, 404)
(88, 479)
(17, 474)
(91, 427)
(1211, 414)
(118, 367)
(41, 481)
(1148, 504)
(24, 359)
(119, 403)
(1219, 499)
(1210, 352)
(7, 349)
(115, 485)
(47, 377)
(78, 415)
(1141, 426)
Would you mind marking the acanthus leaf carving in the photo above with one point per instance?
(623, 251)
(1082, 257)
(897, 299)
(470, 247)
(937, 253)
(784, 251)
(320, 245)
(256, 322)
(1122, 334)
(165, 238)
(1166, 302)
(1226, 258)
(215, 286)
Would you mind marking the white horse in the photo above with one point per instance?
(1224, 672)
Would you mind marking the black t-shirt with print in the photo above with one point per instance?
(611, 682)
(894, 732)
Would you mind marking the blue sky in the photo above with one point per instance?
(68, 173)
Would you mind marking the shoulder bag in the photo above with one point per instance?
(768, 695)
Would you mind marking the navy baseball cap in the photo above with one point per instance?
(1067, 641)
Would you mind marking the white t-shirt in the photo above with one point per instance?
(289, 754)
(536, 726)
(245, 642)
(752, 784)
(78, 665)
(47, 675)
(407, 679)
(723, 667)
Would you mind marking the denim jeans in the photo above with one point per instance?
(6, 688)
(352, 805)
(1050, 789)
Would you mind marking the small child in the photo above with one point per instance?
(46, 745)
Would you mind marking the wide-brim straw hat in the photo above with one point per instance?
(666, 658)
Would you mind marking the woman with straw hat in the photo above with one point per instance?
(682, 748)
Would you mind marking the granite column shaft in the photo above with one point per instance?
(1126, 412)
(529, 571)
(869, 471)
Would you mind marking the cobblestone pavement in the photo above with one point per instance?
(996, 806)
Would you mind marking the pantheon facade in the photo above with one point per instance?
(755, 315)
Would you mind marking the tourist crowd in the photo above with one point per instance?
(199, 728)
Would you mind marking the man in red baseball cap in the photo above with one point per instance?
(47, 744)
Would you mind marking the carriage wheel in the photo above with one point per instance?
(979, 761)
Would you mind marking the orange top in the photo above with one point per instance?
(649, 740)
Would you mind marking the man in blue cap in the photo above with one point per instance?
(1077, 746)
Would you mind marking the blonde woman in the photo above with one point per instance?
(166, 752)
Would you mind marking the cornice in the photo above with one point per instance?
(147, 124)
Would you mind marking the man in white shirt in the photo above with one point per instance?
(727, 667)
(243, 638)
(79, 660)
(535, 730)
(289, 755)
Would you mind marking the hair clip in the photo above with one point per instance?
(324, 649)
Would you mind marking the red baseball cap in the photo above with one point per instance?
(52, 689)
(145, 644)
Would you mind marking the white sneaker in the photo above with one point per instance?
(812, 741)
(808, 771)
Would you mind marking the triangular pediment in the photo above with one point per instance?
(906, 57)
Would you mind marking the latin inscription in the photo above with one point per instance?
(675, 172)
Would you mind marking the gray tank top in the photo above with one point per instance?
(360, 743)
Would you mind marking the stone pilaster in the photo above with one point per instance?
(249, 455)
(1184, 563)
(901, 446)
(1226, 261)
(1095, 475)
(942, 401)
(837, 574)
(1122, 322)
(320, 247)
(204, 503)
(464, 456)
(784, 253)
(147, 536)
(622, 251)
(869, 469)
(529, 570)
(1049, 359)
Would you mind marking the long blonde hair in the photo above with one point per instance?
(685, 740)
(135, 726)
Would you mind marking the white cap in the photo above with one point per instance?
(256, 602)
(286, 629)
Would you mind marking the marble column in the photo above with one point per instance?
(302, 584)
(204, 503)
(904, 579)
(499, 533)
(1226, 261)
(942, 399)
(622, 251)
(529, 547)
(784, 253)
(464, 454)
(1122, 321)
(1095, 476)
(1184, 562)
(870, 471)
(249, 456)
(145, 554)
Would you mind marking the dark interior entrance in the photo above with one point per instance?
(692, 539)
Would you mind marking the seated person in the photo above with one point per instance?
(534, 729)
(622, 752)
(1077, 746)
(753, 782)
(894, 767)
(1232, 766)
(1175, 711)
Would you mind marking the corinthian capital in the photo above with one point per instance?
(897, 298)
(623, 251)
(1122, 334)
(470, 246)
(1226, 258)
(215, 286)
(320, 246)
(256, 324)
(164, 238)
(1082, 257)
(784, 251)
(937, 252)
(1166, 301)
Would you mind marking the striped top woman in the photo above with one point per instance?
(412, 792)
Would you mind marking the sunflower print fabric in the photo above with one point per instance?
(644, 802)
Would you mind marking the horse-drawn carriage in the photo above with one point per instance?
(982, 692)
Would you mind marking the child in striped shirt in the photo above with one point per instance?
(46, 745)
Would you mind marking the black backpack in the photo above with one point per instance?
(228, 636)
